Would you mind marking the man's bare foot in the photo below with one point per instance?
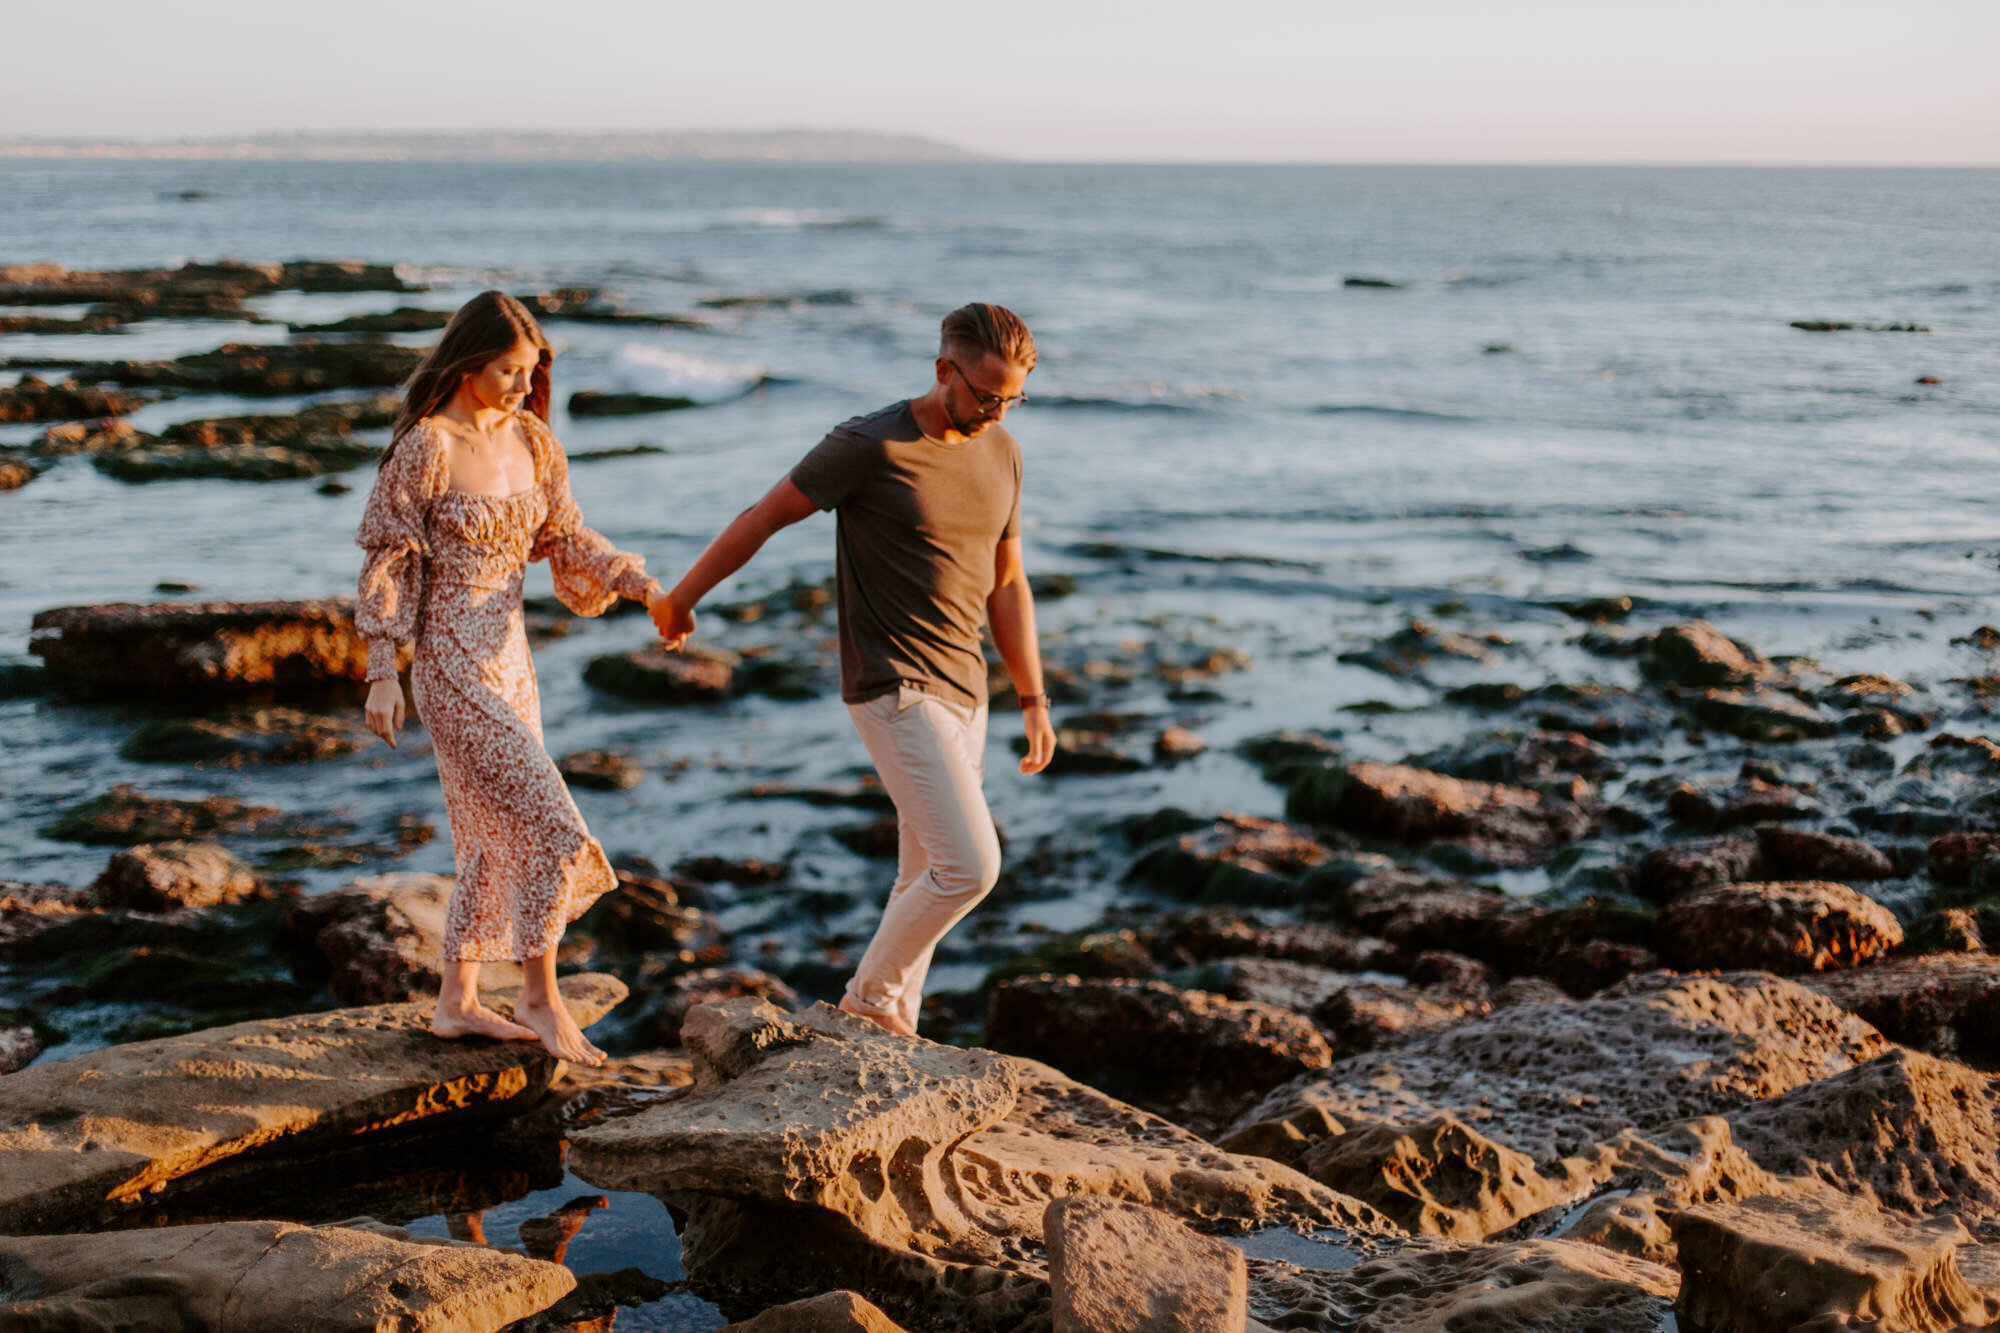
(887, 1022)
(476, 1021)
(558, 1031)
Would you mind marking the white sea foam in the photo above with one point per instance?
(648, 367)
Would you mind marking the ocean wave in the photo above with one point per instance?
(1110, 404)
(801, 219)
(651, 368)
(1378, 410)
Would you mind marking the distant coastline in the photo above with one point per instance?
(702, 145)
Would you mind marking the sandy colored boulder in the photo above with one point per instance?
(382, 936)
(1805, 926)
(101, 1129)
(1821, 1260)
(158, 877)
(1698, 654)
(818, 1151)
(1536, 1286)
(835, 1312)
(1437, 1178)
(1550, 1080)
(1119, 1268)
(234, 1276)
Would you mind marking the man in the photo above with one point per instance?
(927, 494)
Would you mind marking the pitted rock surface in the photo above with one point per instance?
(1505, 825)
(1536, 1286)
(834, 1312)
(1549, 1080)
(1786, 927)
(271, 1275)
(1119, 1268)
(1668, 872)
(94, 1132)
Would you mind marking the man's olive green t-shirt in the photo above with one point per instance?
(917, 523)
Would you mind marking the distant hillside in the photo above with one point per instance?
(704, 145)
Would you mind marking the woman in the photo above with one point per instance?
(473, 487)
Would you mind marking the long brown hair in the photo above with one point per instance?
(484, 327)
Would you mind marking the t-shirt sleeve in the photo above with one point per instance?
(836, 466)
(1013, 528)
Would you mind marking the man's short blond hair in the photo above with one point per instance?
(980, 328)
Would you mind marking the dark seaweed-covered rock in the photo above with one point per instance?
(1285, 756)
(1418, 913)
(35, 400)
(1801, 926)
(1414, 646)
(254, 370)
(601, 770)
(1202, 1055)
(1500, 824)
(590, 403)
(1754, 800)
(248, 736)
(1237, 859)
(403, 319)
(124, 816)
(158, 877)
(1791, 853)
(1761, 713)
(1955, 856)
(1665, 873)
(173, 651)
(655, 675)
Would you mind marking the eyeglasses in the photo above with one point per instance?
(988, 402)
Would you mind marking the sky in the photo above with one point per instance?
(1584, 81)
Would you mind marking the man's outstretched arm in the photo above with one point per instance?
(673, 610)
(1010, 610)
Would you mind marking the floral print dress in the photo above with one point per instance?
(443, 570)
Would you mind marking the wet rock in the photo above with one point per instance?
(1176, 744)
(1095, 953)
(693, 675)
(88, 437)
(1420, 912)
(1414, 646)
(124, 816)
(1910, 1133)
(28, 909)
(1754, 800)
(381, 936)
(878, 839)
(1947, 930)
(14, 474)
(1503, 825)
(1791, 853)
(817, 1145)
(1084, 752)
(34, 399)
(600, 770)
(1700, 656)
(710, 984)
(1583, 949)
(268, 370)
(644, 913)
(1194, 1056)
(1761, 714)
(1534, 1286)
(1549, 1080)
(1944, 1003)
(1802, 926)
(239, 1275)
(1370, 1016)
(79, 1140)
(245, 736)
(403, 319)
(159, 877)
(1596, 610)
(177, 651)
(864, 793)
(833, 1312)
(1285, 756)
(1789, 1261)
(1223, 934)
(590, 403)
(313, 442)
(1298, 987)
(340, 275)
(1954, 856)
(1238, 858)
(1121, 1268)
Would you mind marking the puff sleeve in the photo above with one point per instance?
(590, 573)
(392, 538)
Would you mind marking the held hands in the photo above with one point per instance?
(674, 621)
(1041, 738)
(385, 709)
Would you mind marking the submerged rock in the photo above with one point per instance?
(247, 736)
(85, 1136)
(345, 1278)
(1786, 927)
(692, 675)
(176, 651)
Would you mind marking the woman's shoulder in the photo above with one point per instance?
(542, 441)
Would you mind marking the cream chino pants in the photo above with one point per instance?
(931, 755)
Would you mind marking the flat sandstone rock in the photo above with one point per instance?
(270, 1275)
(106, 1127)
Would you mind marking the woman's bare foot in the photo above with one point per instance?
(476, 1020)
(887, 1022)
(558, 1031)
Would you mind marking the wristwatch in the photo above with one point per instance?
(1040, 701)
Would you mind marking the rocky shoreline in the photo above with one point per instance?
(1664, 992)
